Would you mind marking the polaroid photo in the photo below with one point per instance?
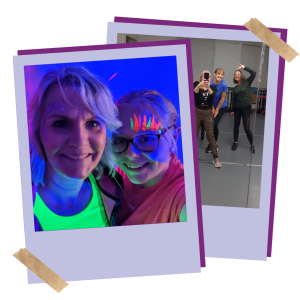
(105, 140)
(242, 129)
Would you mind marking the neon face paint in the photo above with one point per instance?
(143, 168)
(136, 125)
(145, 123)
(152, 124)
(131, 123)
(148, 125)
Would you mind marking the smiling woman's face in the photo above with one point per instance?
(219, 76)
(143, 168)
(237, 76)
(72, 137)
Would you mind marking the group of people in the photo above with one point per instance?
(211, 104)
(97, 164)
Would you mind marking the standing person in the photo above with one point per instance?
(145, 152)
(204, 97)
(70, 119)
(242, 104)
(220, 103)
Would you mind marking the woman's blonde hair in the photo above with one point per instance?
(95, 96)
(154, 101)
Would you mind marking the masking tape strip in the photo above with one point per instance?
(271, 39)
(40, 269)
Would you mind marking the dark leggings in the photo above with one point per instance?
(217, 121)
(242, 112)
(206, 116)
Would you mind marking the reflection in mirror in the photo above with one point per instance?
(237, 182)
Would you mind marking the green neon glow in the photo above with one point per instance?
(131, 122)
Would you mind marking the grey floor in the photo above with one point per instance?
(237, 183)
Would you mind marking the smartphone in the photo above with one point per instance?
(206, 76)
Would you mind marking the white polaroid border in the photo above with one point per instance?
(112, 252)
(229, 232)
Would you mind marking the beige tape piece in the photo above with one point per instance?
(271, 39)
(40, 269)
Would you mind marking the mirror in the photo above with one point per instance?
(237, 183)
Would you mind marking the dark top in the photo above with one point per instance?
(242, 92)
(202, 99)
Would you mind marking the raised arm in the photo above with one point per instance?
(197, 86)
(252, 75)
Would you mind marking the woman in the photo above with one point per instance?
(220, 103)
(145, 148)
(70, 119)
(242, 104)
(204, 98)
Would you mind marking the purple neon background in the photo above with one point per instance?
(186, 42)
(283, 35)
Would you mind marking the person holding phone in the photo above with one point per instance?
(204, 95)
(220, 103)
(242, 104)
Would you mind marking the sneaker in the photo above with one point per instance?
(234, 146)
(208, 150)
(202, 135)
(252, 149)
(217, 163)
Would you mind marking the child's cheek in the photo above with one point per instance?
(158, 156)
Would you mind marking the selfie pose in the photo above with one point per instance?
(145, 151)
(70, 119)
(204, 97)
(242, 105)
(220, 103)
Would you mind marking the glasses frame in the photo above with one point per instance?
(134, 144)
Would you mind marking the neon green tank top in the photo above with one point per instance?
(92, 216)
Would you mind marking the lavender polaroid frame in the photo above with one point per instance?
(157, 249)
(231, 232)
